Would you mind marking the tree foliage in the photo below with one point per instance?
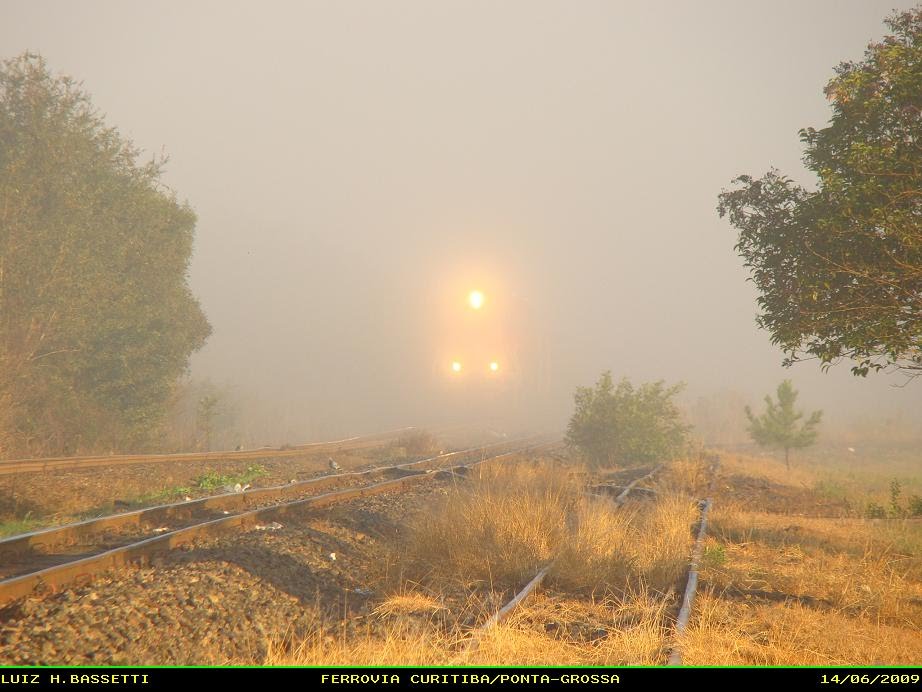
(623, 424)
(779, 425)
(97, 321)
(839, 268)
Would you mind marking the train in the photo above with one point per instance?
(488, 360)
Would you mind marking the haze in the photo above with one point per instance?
(358, 166)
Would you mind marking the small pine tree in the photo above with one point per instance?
(778, 425)
(207, 411)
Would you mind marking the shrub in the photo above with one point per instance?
(621, 424)
(874, 510)
(915, 506)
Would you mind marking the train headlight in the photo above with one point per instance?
(456, 366)
(475, 299)
(494, 366)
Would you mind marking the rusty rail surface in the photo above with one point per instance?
(83, 569)
(69, 463)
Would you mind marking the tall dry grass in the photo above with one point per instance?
(498, 529)
(685, 475)
(513, 520)
(613, 549)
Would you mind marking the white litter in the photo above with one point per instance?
(162, 529)
(187, 498)
(225, 512)
(851, 449)
(333, 557)
(274, 526)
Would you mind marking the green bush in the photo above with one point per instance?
(874, 510)
(915, 506)
(623, 424)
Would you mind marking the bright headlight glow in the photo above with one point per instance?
(475, 299)
(494, 366)
(456, 366)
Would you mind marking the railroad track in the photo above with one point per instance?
(531, 587)
(30, 561)
(85, 462)
(684, 615)
(691, 579)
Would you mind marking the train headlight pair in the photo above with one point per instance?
(457, 367)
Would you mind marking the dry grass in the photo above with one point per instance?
(849, 565)
(688, 475)
(410, 603)
(767, 468)
(727, 632)
(511, 521)
(616, 549)
(401, 644)
(499, 529)
(664, 540)
(833, 473)
(635, 636)
(599, 551)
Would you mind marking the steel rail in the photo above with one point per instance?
(691, 586)
(622, 497)
(82, 462)
(140, 552)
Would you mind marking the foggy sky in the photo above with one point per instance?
(355, 165)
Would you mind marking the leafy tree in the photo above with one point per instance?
(622, 424)
(839, 268)
(778, 425)
(97, 321)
